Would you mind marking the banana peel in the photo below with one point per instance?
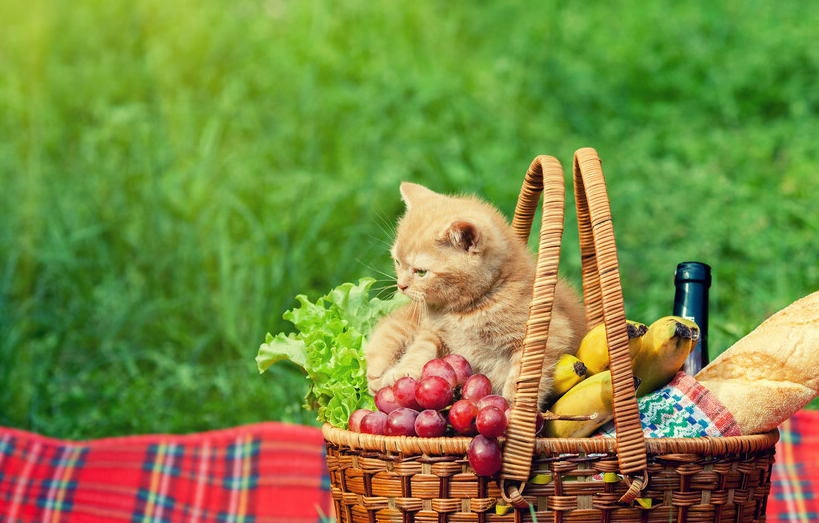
(665, 347)
(594, 348)
(569, 371)
(591, 397)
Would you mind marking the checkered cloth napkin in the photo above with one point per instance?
(266, 473)
(682, 409)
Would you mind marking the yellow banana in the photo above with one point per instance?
(594, 349)
(665, 347)
(592, 396)
(569, 371)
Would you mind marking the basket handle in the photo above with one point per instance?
(603, 298)
(545, 175)
(604, 302)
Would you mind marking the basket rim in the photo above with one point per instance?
(708, 446)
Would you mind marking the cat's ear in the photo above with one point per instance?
(412, 193)
(464, 235)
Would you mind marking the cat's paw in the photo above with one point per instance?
(509, 389)
(389, 377)
(374, 384)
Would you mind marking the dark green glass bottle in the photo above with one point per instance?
(692, 281)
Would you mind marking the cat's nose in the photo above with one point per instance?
(402, 287)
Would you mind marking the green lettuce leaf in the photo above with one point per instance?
(329, 347)
(280, 348)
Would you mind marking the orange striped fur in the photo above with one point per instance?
(470, 281)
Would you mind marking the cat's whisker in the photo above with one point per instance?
(391, 295)
(382, 283)
(386, 225)
(421, 303)
(421, 310)
(379, 241)
(388, 234)
(413, 306)
(375, 270)
(384, 280)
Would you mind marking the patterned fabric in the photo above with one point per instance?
(262, 473)
(681, 409)
(194, 477)
(794, 494)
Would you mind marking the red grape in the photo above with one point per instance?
(491, 421)
(401, 422)
(495, 400)
(462, 367)
(438, 367)
(354, 423)
(385, 400)
(374, 423)
(430, 424)
(476, 387)
(404, 392)
(433, 392)
(484, 456)
(462, 417)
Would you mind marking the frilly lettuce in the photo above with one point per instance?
(332, 333)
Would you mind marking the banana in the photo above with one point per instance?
(594, 349)
(665, 347)
(569, 371)
(592, 396)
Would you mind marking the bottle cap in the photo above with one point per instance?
(693, 271)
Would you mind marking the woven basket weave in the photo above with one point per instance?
(388, 478)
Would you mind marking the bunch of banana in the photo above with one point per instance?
(666, 345)
(657, 353)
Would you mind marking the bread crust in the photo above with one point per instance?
(773, 371)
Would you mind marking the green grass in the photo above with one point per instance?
(172, 174)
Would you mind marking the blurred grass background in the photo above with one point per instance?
(172, 174)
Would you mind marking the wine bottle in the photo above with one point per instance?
(692, 281)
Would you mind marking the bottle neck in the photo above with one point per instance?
(691, 302)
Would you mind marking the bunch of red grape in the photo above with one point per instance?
(447, 400)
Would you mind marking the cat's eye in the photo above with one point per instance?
(420, 272)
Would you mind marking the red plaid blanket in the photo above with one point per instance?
(265, 473)
(269, 472)
(795, 477)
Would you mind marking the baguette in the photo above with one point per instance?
(773, 371)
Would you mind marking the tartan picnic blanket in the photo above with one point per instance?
(794, 496)
(264, 473)
(267, 472)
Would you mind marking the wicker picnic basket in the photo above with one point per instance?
(388, 478)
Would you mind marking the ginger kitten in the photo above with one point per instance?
(469, 278)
